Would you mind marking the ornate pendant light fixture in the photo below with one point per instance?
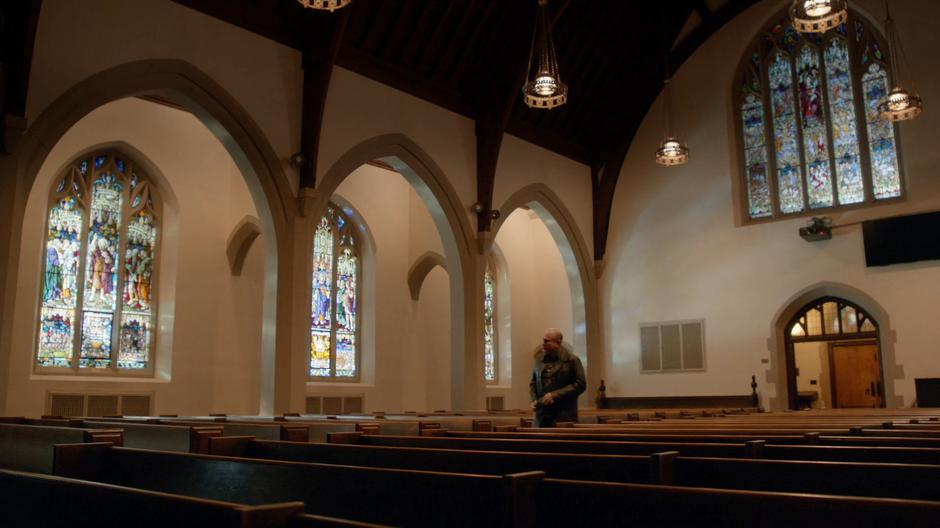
(671, 151)
(818, 16)
(900, 104)
(543, 87)
(325, 5)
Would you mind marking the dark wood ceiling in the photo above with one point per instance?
(466, 55)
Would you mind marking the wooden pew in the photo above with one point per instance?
(269, 431)
(164, 437)
(611, 504)
(396, 497)
(750, 449)
(910, 481)
(615, 468)
(792, 439)
(30, 447)
(543, 446)
(29, 499)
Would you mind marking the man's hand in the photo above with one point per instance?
(548, 399)
(534, 404)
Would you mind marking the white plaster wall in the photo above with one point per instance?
(432, 325)
(675, 252)
(522, 163)
(202, 308)
(77, 39)
(541, 297)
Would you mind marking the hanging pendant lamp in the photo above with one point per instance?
(325, 5)
(671, 151)
(543, 87)
(900, 104)
(818, 16)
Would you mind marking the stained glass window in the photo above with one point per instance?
(805, 146)
(489, 325)
(98, 278)
(830, 316)
(334, 301)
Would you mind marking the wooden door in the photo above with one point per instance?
(856, 376)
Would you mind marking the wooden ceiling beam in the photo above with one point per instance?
(709, 25)
(18, 22)
(605, 177)
(321, 42)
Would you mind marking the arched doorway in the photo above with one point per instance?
(833, 356)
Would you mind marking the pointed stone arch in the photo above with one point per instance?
(429, 181)
(242, 138)
(579, 267)
(240, 241)
(420, 269)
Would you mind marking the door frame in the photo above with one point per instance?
(790, 341)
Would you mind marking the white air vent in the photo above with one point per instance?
(98, 405)
(672, 346)
(495, 403)
(334, 404)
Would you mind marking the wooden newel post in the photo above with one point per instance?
(755, 401)
(601, 399)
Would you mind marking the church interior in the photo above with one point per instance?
(230, 227)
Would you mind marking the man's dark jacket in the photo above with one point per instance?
(564, 378)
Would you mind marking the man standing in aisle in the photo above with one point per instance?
(557, 380)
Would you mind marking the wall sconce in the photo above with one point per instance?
(297, 159)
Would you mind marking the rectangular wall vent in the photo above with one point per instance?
(66, 405)
(98, 405)
(334, 404)
(136, 405)
(495, 403)
(674, 346)
(101, 405)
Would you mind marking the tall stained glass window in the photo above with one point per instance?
(97, 300)
(489, 325)
(334, 313)
(808, 121)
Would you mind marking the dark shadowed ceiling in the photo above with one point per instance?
(470, 55)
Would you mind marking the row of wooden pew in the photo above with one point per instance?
(469, 471)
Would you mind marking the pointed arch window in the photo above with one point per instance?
(831, 318)
(490, 356)
(98, 305)
(334, 322)
(808, 121)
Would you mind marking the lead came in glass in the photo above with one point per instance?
(489, 327)
(334, 299)
(820, 148)
(789, 175)
(320, 308)
(109, 288)
(138, 290)
(844, 130)
(755, 158)
(815, 148)
(886, 180)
